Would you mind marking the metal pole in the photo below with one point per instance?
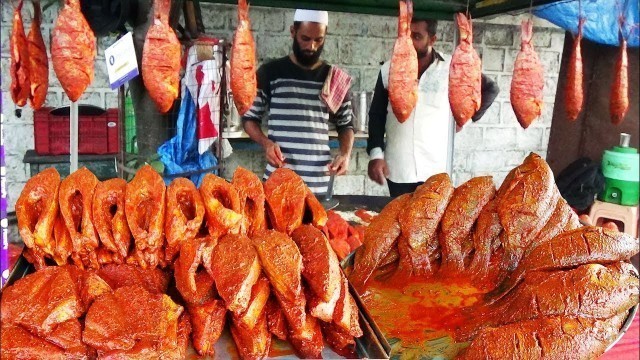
(222, 124)
(73, 138)
(452, 126)
(121, 134)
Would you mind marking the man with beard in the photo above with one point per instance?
(290, 96)
(416, 149)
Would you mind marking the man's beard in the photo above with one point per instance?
(423, 53)
(306, 57)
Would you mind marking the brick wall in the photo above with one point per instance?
(358, 43)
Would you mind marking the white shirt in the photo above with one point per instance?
(417, 148)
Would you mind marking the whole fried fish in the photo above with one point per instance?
(243, 62)
(573, 91)
(403, 71)
(465, 75)
(528, 80)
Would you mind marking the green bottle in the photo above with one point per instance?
(621, 170)
(131, 142)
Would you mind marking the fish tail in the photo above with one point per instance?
(581, 22)
(402, 19)
(464, 25)
(243, 10)
(409, 16)
(161, 9)
(74, 4)
(37, 12)
(527, 32)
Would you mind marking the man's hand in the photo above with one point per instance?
(378, 170)
(273, 154)
(340, 165)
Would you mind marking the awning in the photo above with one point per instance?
(436, 9)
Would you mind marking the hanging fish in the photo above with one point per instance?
(573, 91)
(619, 102)
(19, 60)
(161, 59)
(38, 61)
(403, 72)
(73, 50)
(243, 62)
(465, 75)
(528, 80)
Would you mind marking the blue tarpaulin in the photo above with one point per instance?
(602, 19)
(180, 153)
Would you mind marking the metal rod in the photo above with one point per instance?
(121, 134)
(222, 124)
(73, 138)
(452, 122)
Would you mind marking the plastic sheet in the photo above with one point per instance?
(602, 19)
(180, 153)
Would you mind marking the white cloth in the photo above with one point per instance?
(320, 17)
(417, 148)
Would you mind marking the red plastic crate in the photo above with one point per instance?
(97, 134)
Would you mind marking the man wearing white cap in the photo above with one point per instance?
(300, 94)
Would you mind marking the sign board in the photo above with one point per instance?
(122, 64)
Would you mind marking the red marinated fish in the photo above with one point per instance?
(465, 75)
(144, 205)
(36, 211)
(109, 218)
(528, 80)
(76, 207)
(38, 61)
(19, 60)
(185, 213)
(620, 88)
(73, 50)
(573, 91)
(161, 59)
(403, 72)
(243, 62)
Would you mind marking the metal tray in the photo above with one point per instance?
(20, 269)
(348, 261)
(627, 322)
(372, 336)
(371, 345)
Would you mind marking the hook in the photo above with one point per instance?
(531, 10)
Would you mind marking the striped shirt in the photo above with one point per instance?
(297, 119)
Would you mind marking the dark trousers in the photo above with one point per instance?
(397, 189)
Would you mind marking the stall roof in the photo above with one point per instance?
(436, 9)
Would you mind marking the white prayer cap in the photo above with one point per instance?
(317, 16)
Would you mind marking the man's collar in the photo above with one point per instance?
(438, 55)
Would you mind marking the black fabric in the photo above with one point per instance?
(378, 116)
(580, 182)
(489, 92)
(397, 189)
(106, 16)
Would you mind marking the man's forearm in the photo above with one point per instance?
(345, 138)
(253, 129)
